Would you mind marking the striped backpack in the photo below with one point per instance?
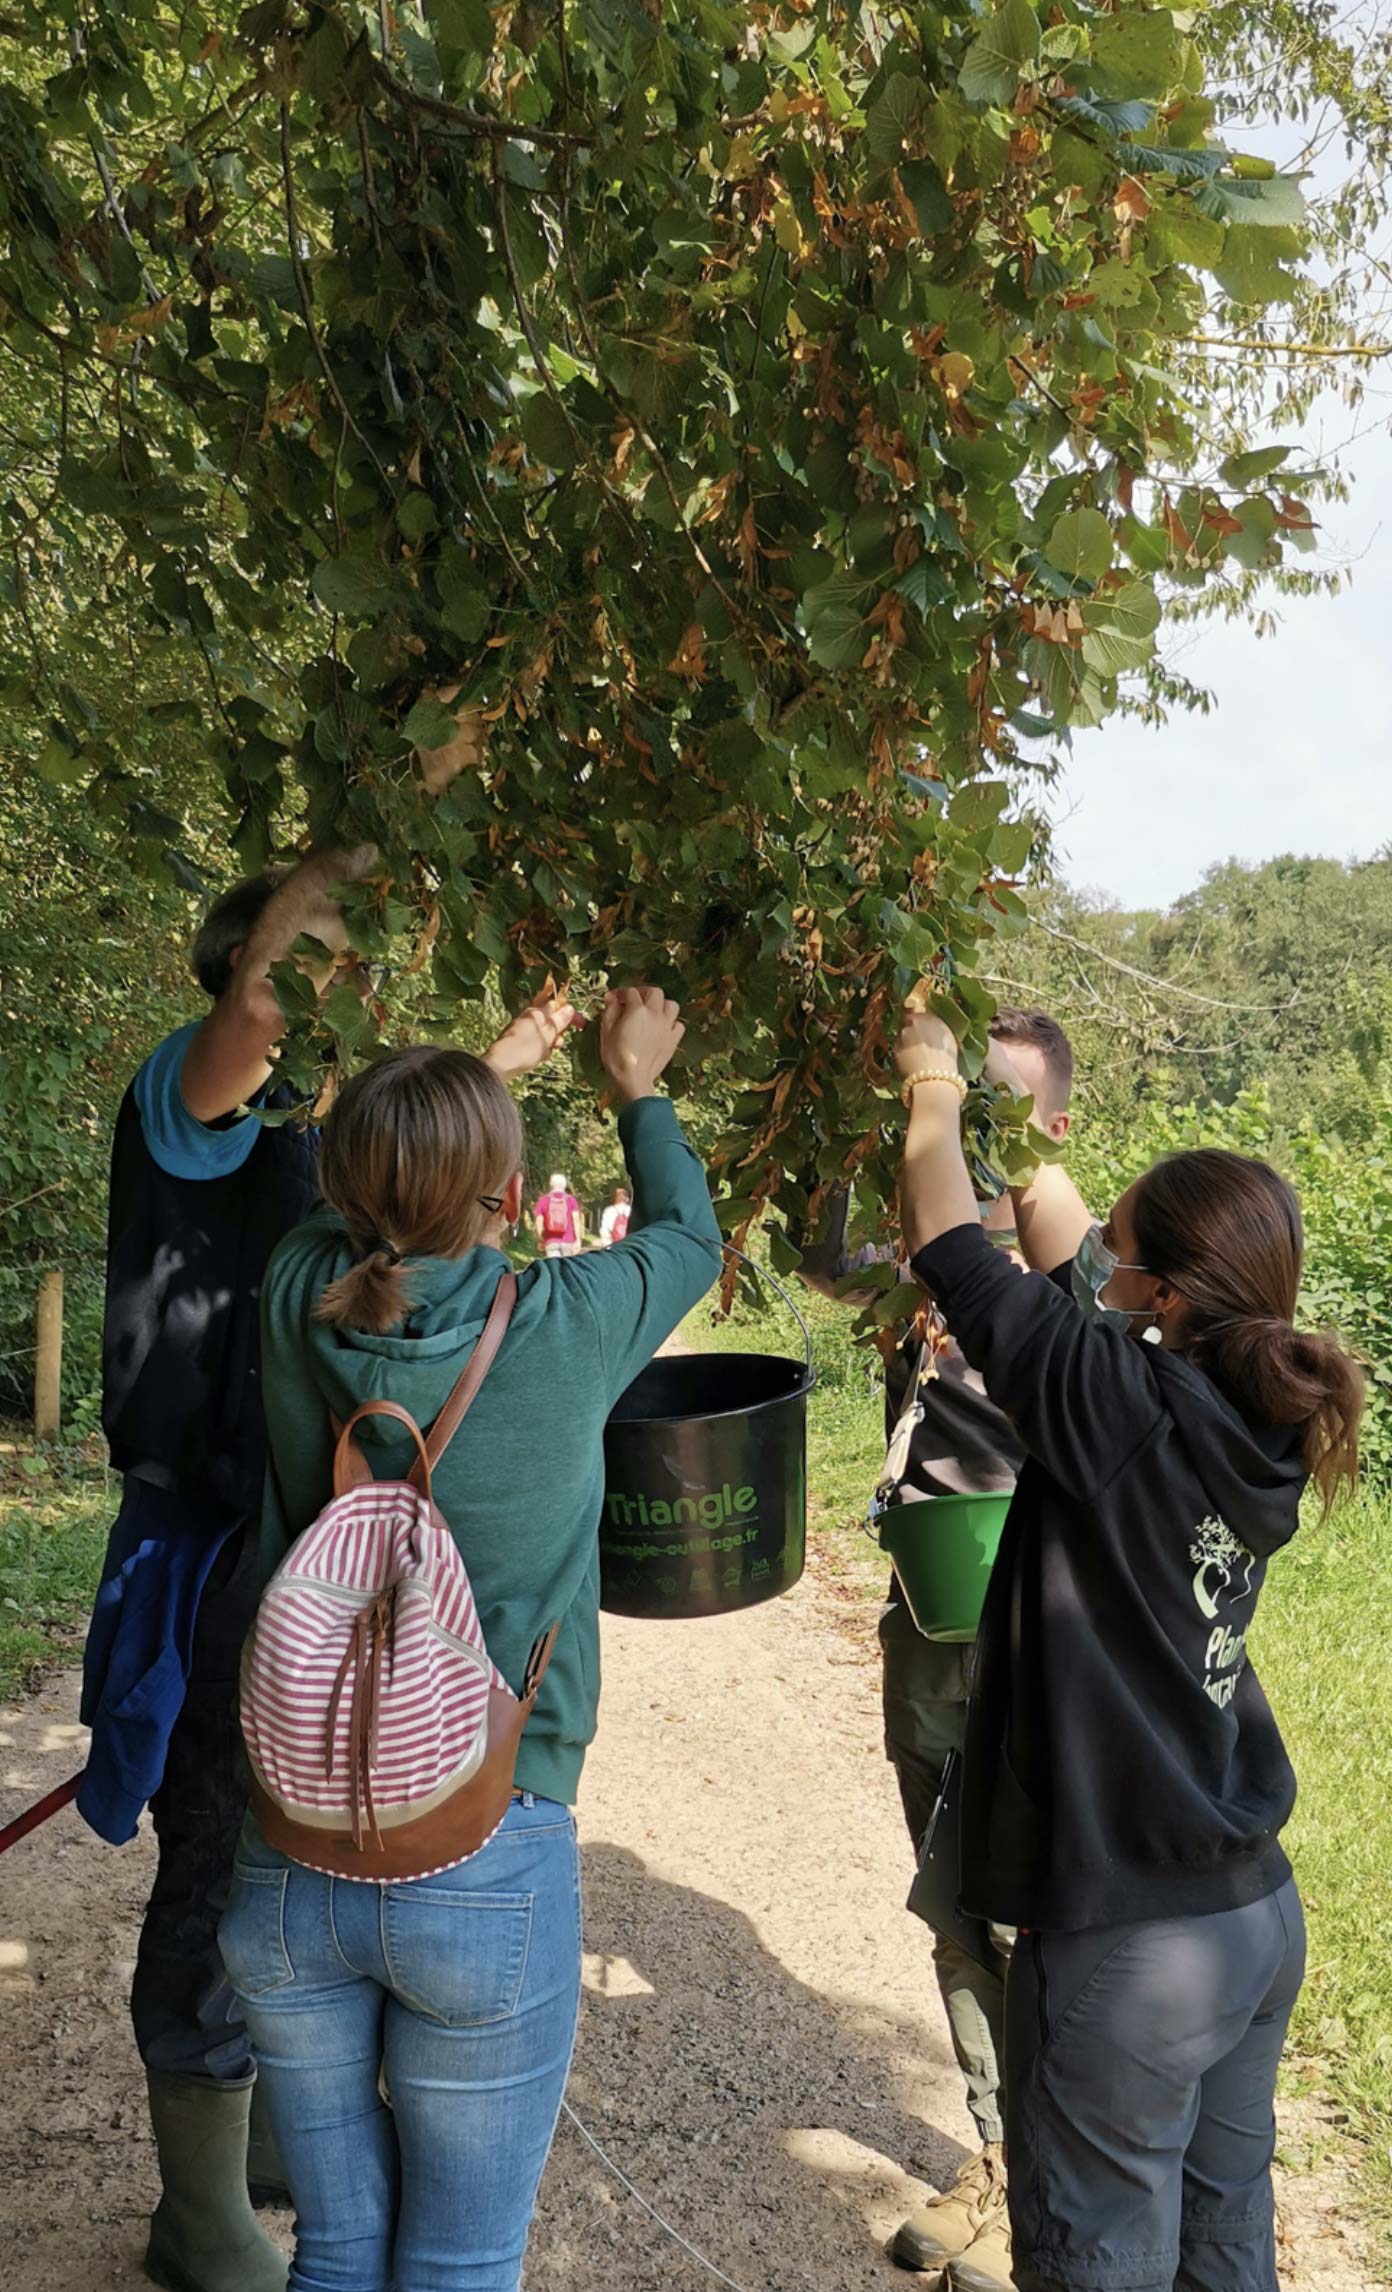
(382, 1738)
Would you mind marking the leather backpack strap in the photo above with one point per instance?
(351, 1468)
(542, 1652)
(481, 1360)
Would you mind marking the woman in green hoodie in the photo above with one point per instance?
(460, 1992)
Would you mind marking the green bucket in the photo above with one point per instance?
(943, 1549)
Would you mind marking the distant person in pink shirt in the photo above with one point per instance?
(560, 1222)
(613, 1225)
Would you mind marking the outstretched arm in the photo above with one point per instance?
(1080, 1396)
(935, 1188)
(228, 1060)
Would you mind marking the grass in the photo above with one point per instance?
(1325, 1657)
(53, 1527)
(1324, 1654)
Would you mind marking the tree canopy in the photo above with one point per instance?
(772, 419)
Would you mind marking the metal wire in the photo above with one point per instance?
(651, 2210)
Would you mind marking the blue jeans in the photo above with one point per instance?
(458, 1997)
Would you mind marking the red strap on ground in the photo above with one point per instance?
(20, 1828)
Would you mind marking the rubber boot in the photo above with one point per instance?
(944, 2227)
(266, 2183)
(204, 2236)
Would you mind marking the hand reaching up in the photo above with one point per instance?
(529, 1039)
(638, 1039)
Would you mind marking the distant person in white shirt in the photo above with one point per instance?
(613, 1224)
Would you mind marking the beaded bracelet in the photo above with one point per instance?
(932, 1074)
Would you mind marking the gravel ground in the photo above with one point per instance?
(761, 2048)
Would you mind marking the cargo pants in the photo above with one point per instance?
(925, 1717)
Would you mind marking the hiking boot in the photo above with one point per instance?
(266, 2183)
(985, 2265)
(948, 2224)
(204, 2236)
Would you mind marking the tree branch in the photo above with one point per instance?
(538, 350)
(476, 122)
(306, 301)
(1290, 349)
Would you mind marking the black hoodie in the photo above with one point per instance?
(1122, 1761)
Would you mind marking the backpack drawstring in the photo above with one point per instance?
(372, 1641)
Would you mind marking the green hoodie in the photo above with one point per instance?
(522, 1482)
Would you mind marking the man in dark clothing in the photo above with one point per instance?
(962, 1444)
(201, 1192)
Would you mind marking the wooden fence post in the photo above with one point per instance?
(48, 1364)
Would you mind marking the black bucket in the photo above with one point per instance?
(705, 1488)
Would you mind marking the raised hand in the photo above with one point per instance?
(528, 1040)
(638, 1039)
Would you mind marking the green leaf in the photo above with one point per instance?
(928, 195)
(895, 119)
(1011, 845)
(548, 434)
(1120, 628)
(1118, 285)
(978, 804)
(1064, 43)
(835, 618)
(60, 765)
(925, 584)
(1178, 232)
(348, 586)
(1081, 544)
(1252, 270)
(1004, 51)
(530, 252)
(1147, 546)
(429, 725)
(1254, 547)
(1119, 119)
(464, 604)
(463, 24)
(416, 517)
(1276, 203)
(1245, 469)
(1133, 54)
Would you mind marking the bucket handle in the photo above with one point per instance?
(774, 1283)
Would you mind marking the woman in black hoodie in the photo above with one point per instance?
(1126, 1783)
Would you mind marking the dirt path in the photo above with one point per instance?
(760, 2049)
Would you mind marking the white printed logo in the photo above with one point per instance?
(1220, 1559)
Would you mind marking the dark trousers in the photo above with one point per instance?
(185, 2015)
(1140, 2100)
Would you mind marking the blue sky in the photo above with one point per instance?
(1294, 755)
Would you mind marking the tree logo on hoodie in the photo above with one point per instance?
(1220, 1558)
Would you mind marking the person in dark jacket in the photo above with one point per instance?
(961, 1443)
(1126, 1785)
(201, 1192)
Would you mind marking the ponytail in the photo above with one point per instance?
(374, 1295)
(1281, 1375)
(1227, 1232)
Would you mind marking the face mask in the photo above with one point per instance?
(1093, 1267)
